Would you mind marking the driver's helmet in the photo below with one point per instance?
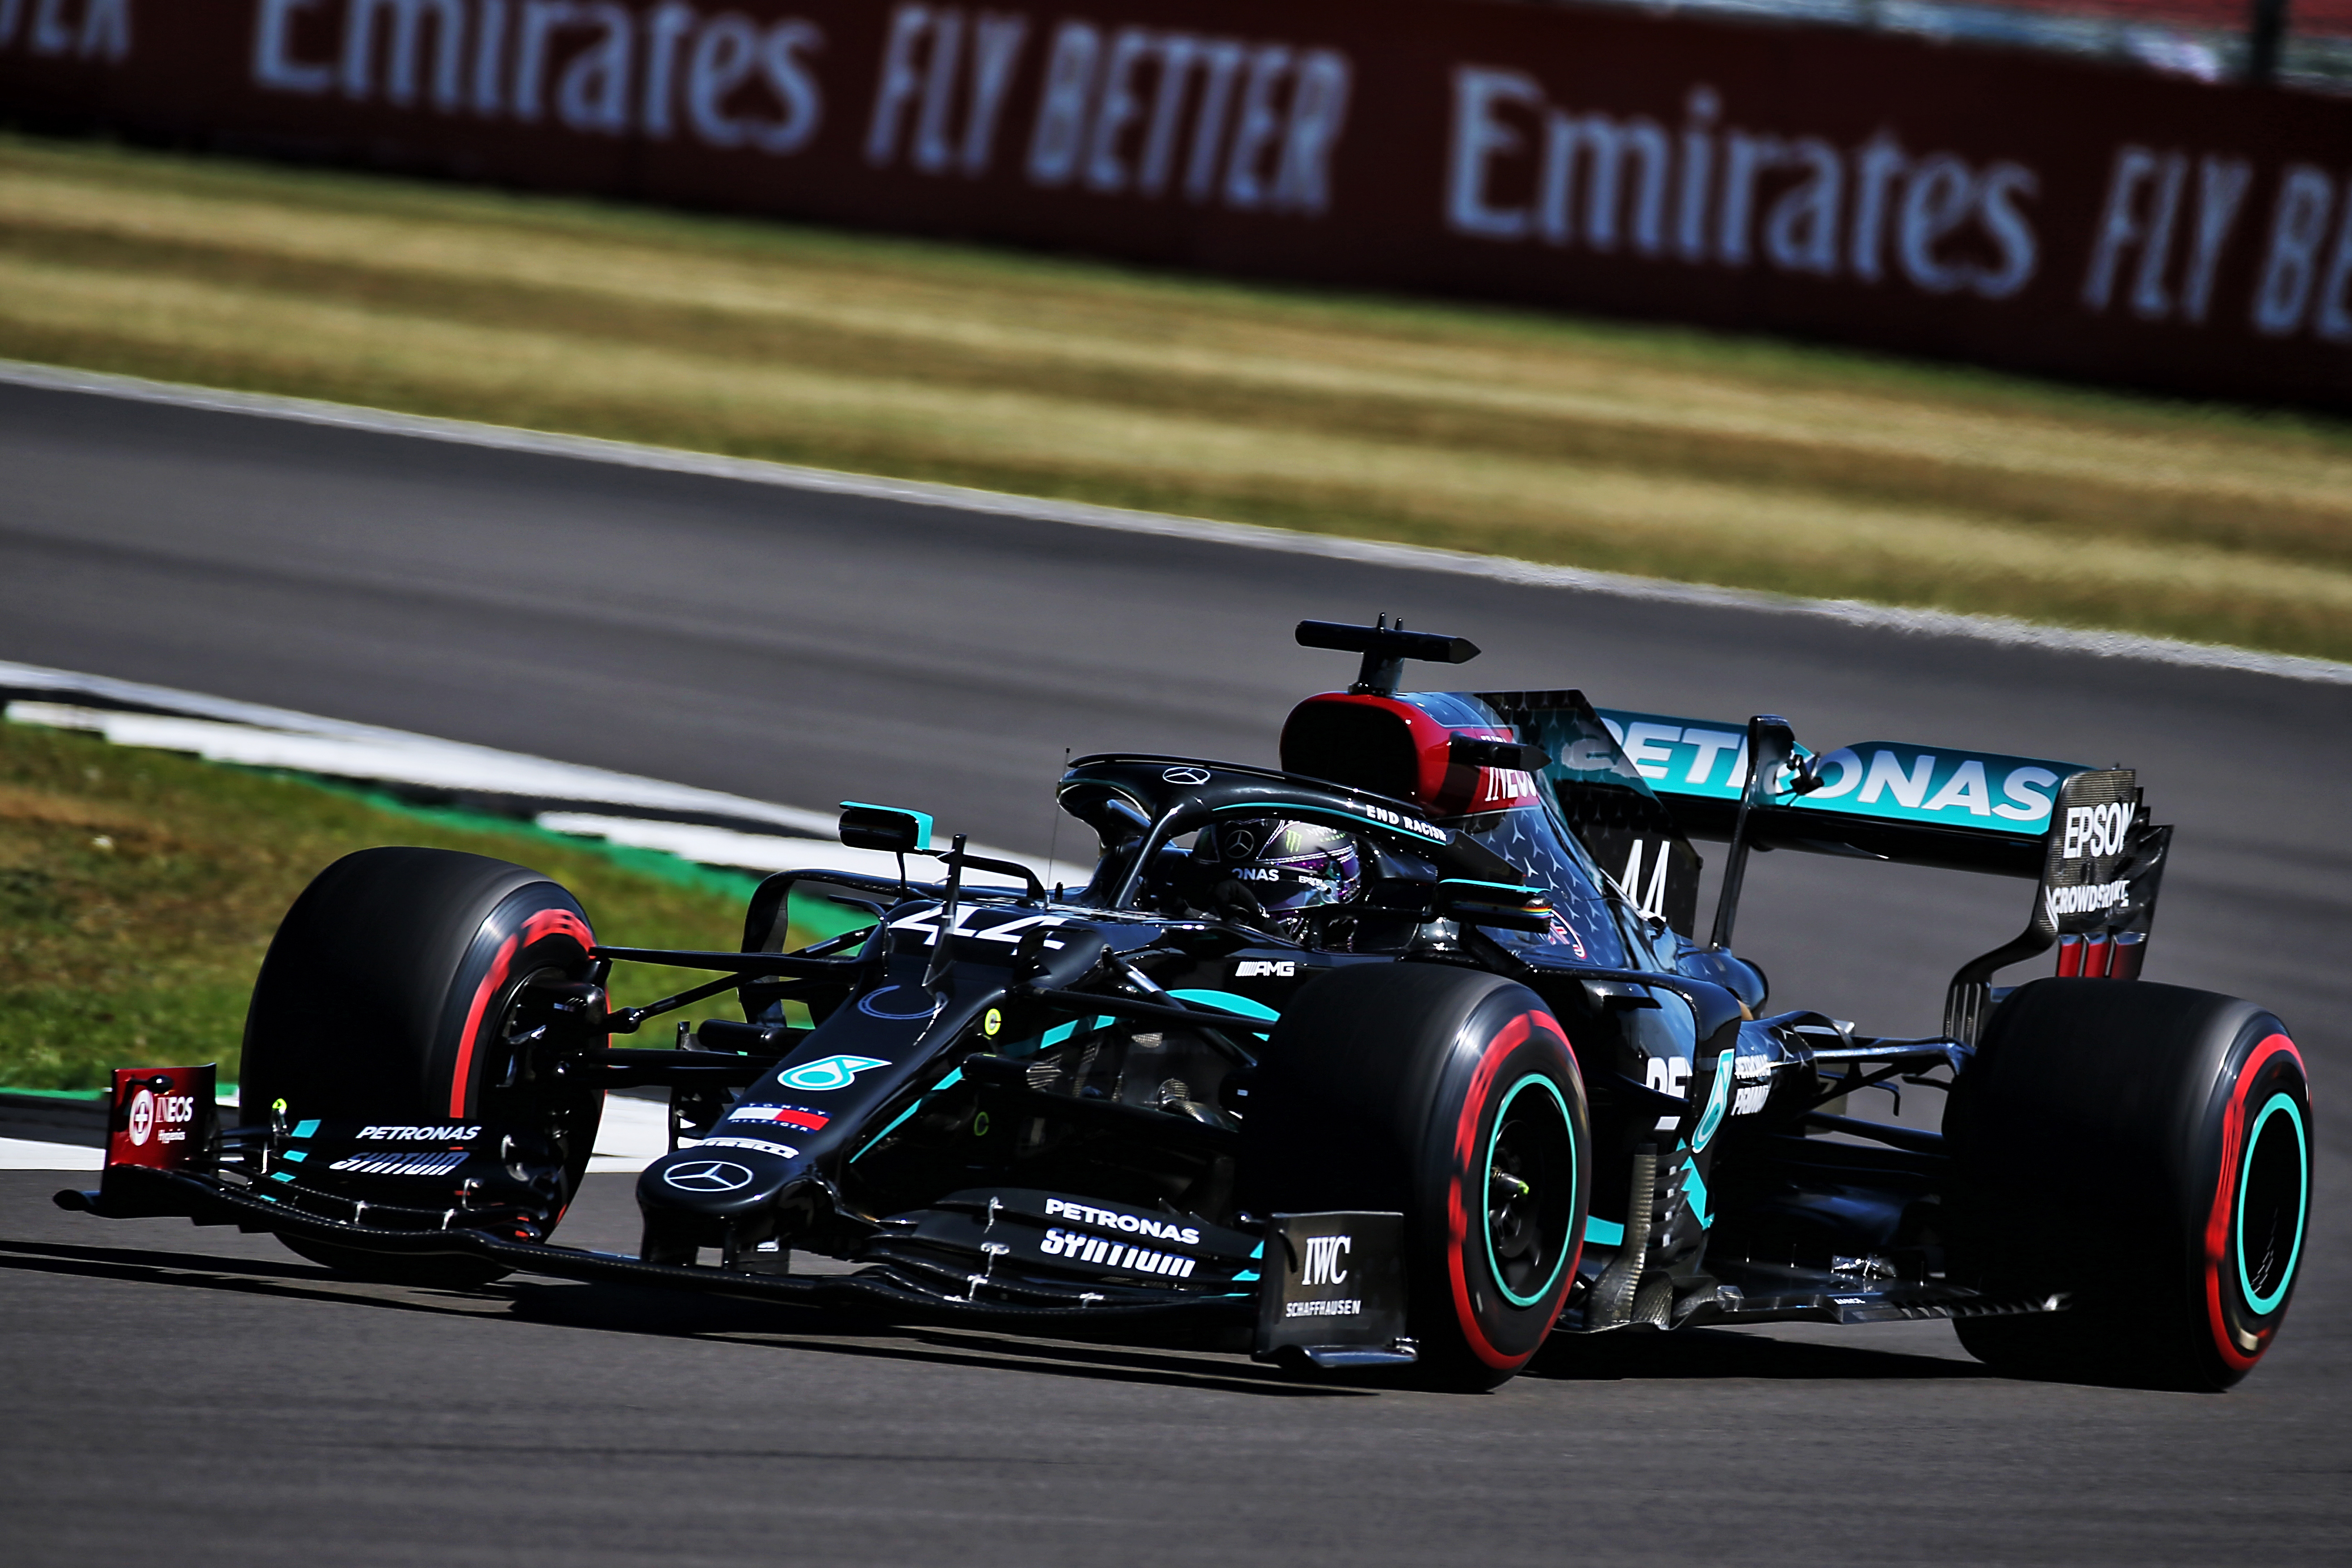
(1288, 866)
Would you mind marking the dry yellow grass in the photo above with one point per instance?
(1636, 449)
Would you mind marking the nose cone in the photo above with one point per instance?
(716, 1183)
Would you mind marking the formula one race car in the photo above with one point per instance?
(1407, 1054)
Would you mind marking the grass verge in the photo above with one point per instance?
(139, 891)
(1743, 462)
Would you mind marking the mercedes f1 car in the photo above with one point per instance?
(1406, 1055)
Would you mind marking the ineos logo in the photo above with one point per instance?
(708, 1176)
(1185, 775)
(1327, 1259)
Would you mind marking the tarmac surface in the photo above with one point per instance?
(208, 1397)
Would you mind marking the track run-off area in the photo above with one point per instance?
(211, 1395)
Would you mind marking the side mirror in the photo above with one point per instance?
(884, 827)
(1510, 905)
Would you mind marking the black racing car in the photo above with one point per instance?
(1406, 1053)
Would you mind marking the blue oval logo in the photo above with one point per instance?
(877, 1004)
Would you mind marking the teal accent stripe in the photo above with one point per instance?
(1054, 1036)
(305, 1129)
(296, 1156)
(1060, 1032)
(1718, 1101)
(1249, 1007)
(892, 1128)
(1696, 1186)
(1604, 1232)
(1245, 1274)
(955, 1077)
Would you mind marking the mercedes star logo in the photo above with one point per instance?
(1186, 776)
(708, 1176)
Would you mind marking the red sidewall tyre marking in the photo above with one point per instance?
(2219, 1224)
(538, 926)
(1507, 1039)
(462, 1078)
(557, 922)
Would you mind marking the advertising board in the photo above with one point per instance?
(2028, 212)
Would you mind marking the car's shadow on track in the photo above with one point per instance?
(1711, 1353)
(624, 1309)
(199, 1272)
(1690, 1354)
(606, 1308)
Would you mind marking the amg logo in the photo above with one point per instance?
(1250, 967)
(1327, 1259)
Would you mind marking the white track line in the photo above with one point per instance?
(633, 1134)
(32, 1154)
(221, 730)
(246, 733)
(2002, 630)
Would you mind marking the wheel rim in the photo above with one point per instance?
(1530, 1190)
(2273, 1200)
(511, 1067)
(536, 1105)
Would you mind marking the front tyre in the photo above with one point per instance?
(389, 995)
(1454, 1097)
(2148, 1150)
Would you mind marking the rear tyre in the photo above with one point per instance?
(386, 996)
(2148, 1150)
(1454, 1097)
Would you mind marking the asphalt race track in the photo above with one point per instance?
(205, 1397)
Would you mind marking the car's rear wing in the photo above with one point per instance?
(1976, 811)
(2082, 833)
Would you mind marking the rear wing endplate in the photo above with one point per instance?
(2082, 833)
